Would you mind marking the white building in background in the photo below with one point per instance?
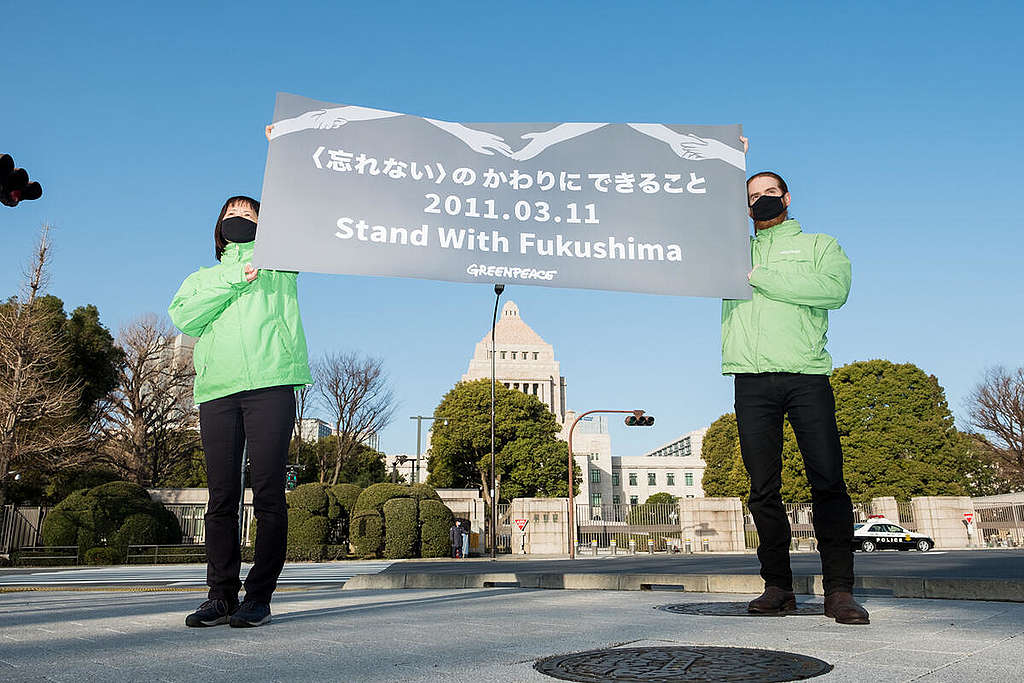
(404, 463)
(525, 362)
(675, 468)
(312, 429)
(181, 348)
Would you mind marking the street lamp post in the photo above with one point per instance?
(638, 419)
(419, 423)
(498, 289)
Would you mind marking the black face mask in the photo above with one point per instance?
(238, 229)
(767, 207)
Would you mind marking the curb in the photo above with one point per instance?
(1003, 590)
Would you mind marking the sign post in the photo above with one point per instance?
(521, 525)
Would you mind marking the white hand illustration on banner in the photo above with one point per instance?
(692, 147)
(685, 145)
(322, 119)
(540, 141)
(479, 141)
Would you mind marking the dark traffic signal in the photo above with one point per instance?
(14, 184)
(638, 419)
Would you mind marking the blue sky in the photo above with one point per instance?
(897, 126)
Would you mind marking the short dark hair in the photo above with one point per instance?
(770, 174)
(219, 242)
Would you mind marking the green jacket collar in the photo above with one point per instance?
(785, 228)
(237, 253)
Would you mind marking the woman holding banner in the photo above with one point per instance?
(249, 357)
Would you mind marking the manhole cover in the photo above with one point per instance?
(657, 664)
(736, 609)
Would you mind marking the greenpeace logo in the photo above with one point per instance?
(510, 273)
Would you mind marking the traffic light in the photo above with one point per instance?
(638, 419)
(14, 184)
(293, 479)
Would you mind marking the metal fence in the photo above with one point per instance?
(801, 521)
(191, 518)
(21, 527)
(905, 514)
(1000, 525)
(650, 527)
(503, 534)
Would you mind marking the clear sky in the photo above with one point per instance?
(897, 126)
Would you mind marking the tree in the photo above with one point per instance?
(532, 467)
(149, 420)
(725, 475)
(996, 408)
(662, 498)
(303, 402)
(460, 443)
(358, 396)
(38, 402)
(896, 431)
(91, 357)
(363, 466)
(983, 471)
(718, 450)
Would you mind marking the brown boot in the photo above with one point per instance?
(774, 600)
(844, 609)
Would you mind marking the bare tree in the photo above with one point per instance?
(37, 401)
(304, 397)
(358, 396)
(149, 421)
(996, 408)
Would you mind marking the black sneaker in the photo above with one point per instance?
(211, 613)
(250, 614)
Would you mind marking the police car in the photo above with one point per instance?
(879, 533)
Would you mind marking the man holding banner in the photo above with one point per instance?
(774, 345)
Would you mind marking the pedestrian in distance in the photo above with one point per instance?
(455, 535)
(249, 356)
(774, 346)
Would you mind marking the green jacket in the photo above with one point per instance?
(249, 334)
(797, 278)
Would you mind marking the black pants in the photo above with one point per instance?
(761, 402)
(263, 419)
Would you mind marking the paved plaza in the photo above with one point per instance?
(497, 634)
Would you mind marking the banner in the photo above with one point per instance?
(632, 207)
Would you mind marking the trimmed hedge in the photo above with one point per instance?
(424, 492)
(401, 528)
(374, 497)
(347, 495)
(435, 521)
(314, 513)
(100, 555)
(110, 516)
(306, 536)
(367, 533)
(309, 497)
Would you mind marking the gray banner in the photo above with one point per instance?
(632, 207)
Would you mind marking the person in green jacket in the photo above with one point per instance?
(774, 345)
(249, 355)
